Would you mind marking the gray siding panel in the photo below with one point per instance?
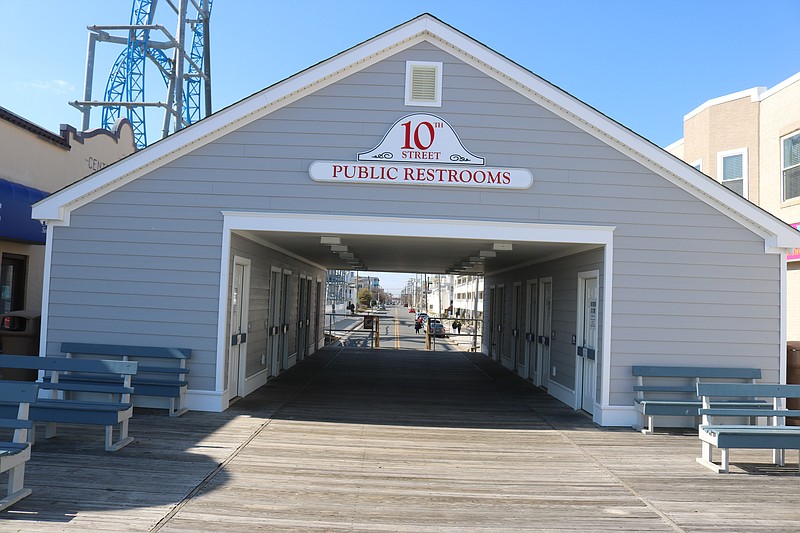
(678, 263)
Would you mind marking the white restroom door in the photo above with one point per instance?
(587, 342)
(517, 314)
(284, 310)
(274, 328)
(543, 340)
(237, 353)
(499, 321)
(531, 370)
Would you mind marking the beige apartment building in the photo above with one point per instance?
(35, 162)
(750, 142)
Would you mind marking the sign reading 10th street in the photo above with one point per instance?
(421, 149)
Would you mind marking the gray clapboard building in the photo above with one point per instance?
(418, 150)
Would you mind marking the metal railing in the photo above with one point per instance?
(366, 329)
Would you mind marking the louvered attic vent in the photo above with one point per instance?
(423, 83)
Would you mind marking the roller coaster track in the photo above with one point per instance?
(125, 86)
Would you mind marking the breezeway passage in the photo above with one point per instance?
(376, 440)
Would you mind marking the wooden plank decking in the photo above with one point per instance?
(381, 440)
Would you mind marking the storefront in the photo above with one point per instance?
(420, 146)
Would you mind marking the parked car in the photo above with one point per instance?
(411, 310)
(437, 328)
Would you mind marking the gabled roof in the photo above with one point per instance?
(422, 28)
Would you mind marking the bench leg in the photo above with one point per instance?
(646, 429)
(50, 430)
(16, 491)
(176, 410)
(725, 460)
(779, 457)
(706, 458)
(123, 441)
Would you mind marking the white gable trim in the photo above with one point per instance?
(425, 27)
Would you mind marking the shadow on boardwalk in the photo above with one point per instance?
(371, 440)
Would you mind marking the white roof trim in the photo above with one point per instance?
(754, 94)
(423, 28)
(781, 86)
(676, 144)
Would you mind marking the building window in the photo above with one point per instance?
(12, 283)
(791, 166)
(732, 167)
(423, 83)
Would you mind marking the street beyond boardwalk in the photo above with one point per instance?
(388, 440)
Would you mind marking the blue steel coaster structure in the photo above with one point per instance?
(185, 74)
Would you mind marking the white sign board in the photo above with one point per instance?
(421, 150)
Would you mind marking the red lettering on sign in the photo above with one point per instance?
(418, 143)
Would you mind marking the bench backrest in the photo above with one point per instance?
(695, 372)
(18, 392)
(751, 390)
(63, 364)
(124, 351)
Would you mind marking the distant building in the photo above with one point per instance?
(750, 142)
(35, 162)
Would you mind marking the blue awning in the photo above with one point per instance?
(15, 213)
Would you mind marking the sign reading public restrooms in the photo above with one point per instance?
(421, 149)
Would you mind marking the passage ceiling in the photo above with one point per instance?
(422, 254)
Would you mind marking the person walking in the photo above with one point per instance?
(417, 325)
(457, 327)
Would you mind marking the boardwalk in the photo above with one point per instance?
(380, 440)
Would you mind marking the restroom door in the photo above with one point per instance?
(499, 322)
(274, 327)
(587, 338)
(237, 352)
(543, 340)
(531, 370)
(302, 327)
(284, 310)
(517, 312)
(316, 317)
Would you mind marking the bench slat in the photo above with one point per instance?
(695, 372)
(15, 423)
(12, 448)
(748, 389)
(124, 350)
(748, 412)
(56, 363)
(664, 388)
(162, 370)
(76, 386)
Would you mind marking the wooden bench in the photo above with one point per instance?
(14, 454)
(671, 390)
(97, 404)
(774, 434)
(164, 375)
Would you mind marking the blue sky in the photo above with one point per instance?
(643, 63)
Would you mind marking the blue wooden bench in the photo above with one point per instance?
(774, 434)
(15, 453)
(162, 371)
(671, 390)
(97, 404)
